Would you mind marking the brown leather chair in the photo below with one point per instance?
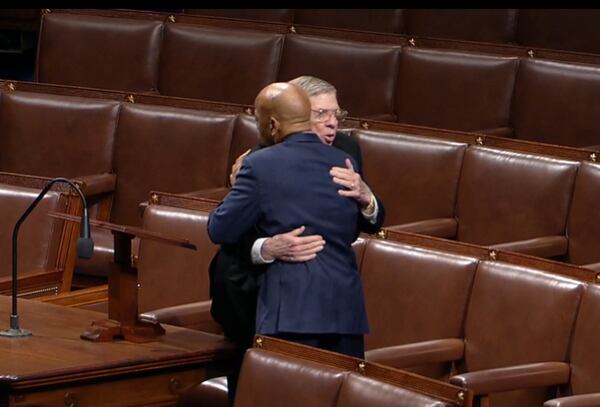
(99, 52)
(517, 330)
(583, 228)
(416, 301)
(220, 64)
(279, 373)
(584, 387)
(455, 90)
(174, 283)
(362, 73)
(43, 242)
(465, 24)
(556, 103)
(566, 29)
(415, 177)
(378, 20)
(515, 201)
(161, 148)
(51, 135)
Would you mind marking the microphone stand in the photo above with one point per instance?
(85, 248)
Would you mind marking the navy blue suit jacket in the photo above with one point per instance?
(278, 189)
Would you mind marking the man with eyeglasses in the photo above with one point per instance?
(318, 302)
(235, 268)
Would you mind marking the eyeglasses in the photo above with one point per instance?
(321, 115)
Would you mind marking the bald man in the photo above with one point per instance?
(318, 302)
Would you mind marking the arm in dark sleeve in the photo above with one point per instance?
(240, 210)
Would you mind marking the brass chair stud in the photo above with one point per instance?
(171, 18)
(361, 367)
(259, 342)
(412, 42)
(249, 111)
(364, 125)
(593, 157)
(154, 199)
(130, 98)
(292, 29)
(381, 234)
(530, 53)
(479, 140)
(493, 255)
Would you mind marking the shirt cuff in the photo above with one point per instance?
(372, 217)
(255, 253)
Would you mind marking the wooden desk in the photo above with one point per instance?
(54, 367)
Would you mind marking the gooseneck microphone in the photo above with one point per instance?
(85, 249)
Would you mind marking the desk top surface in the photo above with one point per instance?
(55, 353)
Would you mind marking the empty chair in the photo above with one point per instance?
(557, 103)
(161, 148)
(51, 135)
(43, 242)
(216, 63)
(99, 52)
(278, 373)
(583, 228)
(515, 201)
(517, 331)
(414, 295)
(174, 283)
(379, 20)
(487, 25)
(416, 178)
(584, 386)
(364, 74)
(455, 90)
(566, 29)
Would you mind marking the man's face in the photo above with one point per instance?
(323, 120)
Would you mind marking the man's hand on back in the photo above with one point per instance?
(292, 247)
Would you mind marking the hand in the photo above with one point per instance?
(235, 168)
(292, 247)
(357, 188)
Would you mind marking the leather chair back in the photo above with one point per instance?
(167, 149)
(517, 315)
(52, 135)
(585, 364)
(557, 103)
(220, 64)
(415, 177)
(170, 275)
(99, 52)
(363, 74)
(454, 90)
(506, 196)
(39, 236)
(583, 228)
(571, 30)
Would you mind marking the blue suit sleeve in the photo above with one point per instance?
(239, 211)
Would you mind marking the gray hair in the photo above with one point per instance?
(313, 86)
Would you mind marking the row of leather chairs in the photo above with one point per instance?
(519, 97)
(278, 373)
(496, 322)
(516, 200)
(566, 29)
(122, 150)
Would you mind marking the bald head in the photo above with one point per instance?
(281, 108)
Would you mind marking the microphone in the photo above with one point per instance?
(85, 249)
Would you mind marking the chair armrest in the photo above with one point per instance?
(195, 315)
(592, 266)
(440, 227)
(513, 377)
(419, 353)
(582, 400)
(499, 131)
(547, 246)
(98, 183)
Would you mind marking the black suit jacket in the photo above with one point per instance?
(233, 277)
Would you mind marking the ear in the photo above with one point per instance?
(273, 126)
